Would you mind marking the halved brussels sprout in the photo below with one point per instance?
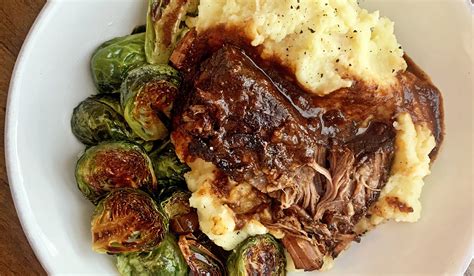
(147, 95)
(165, 26)
(200, 259)
(113, 165)
(168, 168)
(98, 118)
(111, 62)
(257, 255)
(183, 219)
(166, 259)
(127, 220)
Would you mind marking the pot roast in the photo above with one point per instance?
(316, 164)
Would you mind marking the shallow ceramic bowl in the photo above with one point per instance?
(52, 77)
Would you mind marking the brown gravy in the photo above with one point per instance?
(355, 106)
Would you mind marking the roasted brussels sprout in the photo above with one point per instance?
(111, 62)
(113, 165)
(200, 259)
(257, 255)
(98, 118)
(147, 95)
(183, 219)
(127, 220)
(165, 26)
(168, 169)
(139, 29)
(166, 259)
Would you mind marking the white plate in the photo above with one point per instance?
(52, 77)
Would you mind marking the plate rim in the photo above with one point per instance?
(11, 143)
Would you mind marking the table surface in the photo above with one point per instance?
(16, 256)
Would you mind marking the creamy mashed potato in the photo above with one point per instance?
(216, 219)
(400, 198)
(327, 43)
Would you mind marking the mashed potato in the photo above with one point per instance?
(216, 219)
(399, 199)
(328, 43)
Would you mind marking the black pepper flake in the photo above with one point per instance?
(400, 47)
(301, 31)
(351, 37)
(393, 70)
(350, 64)
(311, 30)
(287, 49)
(291, 7)
(337, 60)
(326, 4)
(355, 31)
(298, 7)
(339, 48)
(325, 14)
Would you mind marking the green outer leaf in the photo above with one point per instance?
(113, 59)
(165, 260)
(134, 85)
(98, 118)
(86, 166)
(237, 263)
(167, 167)
(176, 204)
(111, 100)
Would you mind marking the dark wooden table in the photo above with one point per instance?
(16, 256)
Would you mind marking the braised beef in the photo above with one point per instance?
(317, 163)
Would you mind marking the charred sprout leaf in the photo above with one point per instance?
(183, 219)
(147, 95)
(258, 255)
(168, 169)
(139, 29)
(165, 26)
(113, 165)
(127, 220)
(111, 62)
(166, 259)
(200, 259)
